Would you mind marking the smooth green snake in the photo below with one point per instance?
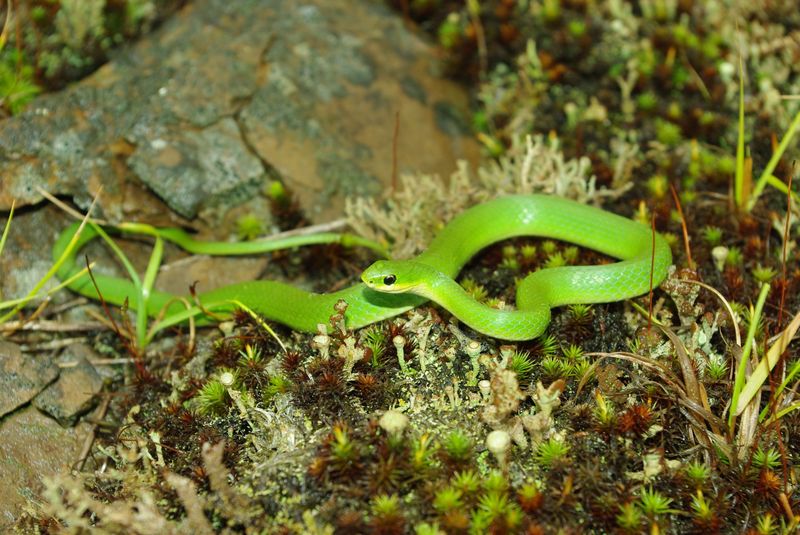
(393, 287)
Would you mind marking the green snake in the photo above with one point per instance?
(393, 287)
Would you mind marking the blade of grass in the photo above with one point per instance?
(126, 263)
(260, 321)
(678, 206)
(784, 251)
(6, 25)
(54, 268)
(144, 286)
(156, 324)
(63, 284)
(786, 410)
(7, 226)
(147, 287)
(738, 185)
(781, 186)
(741, 370)
(152, 267)
(645, 313)
(226, 305)
(763, 179)
(765, 365)
(137, 284)
(191, 312)
(793, 371)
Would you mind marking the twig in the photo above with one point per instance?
(68, 305)
(68, 209)
(87, 444)
(36, 313)
(652, 269)
(683, 227)
(330, 226)
(103, 303)
(52, 326)
(96, 362)
(53, 344)
(785, 247)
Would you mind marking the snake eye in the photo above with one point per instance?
(388, 280)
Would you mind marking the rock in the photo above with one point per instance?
(32, 446)
(22, 377)
(73, 394)
(208, 272)
(324, 119)
(188, 169)
(26, 256)
(230, 94)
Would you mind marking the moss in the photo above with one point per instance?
(17, 84)
(70, 38)
(668, 133)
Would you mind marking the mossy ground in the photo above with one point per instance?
(615, 425)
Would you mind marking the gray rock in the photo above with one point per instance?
(22, 377)
(32, 446)
(26, 256)
(189, 169)
(73, 394)
(228, 94)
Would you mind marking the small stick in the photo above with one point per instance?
(785, 241)
(787, 507)
(58, 343)
(36, 313)
(96, 362)
(103, 303)
(683, 227)
(50, 326)
(129, 346)
(87, 444)
(652, 269)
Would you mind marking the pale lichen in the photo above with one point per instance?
(410, 217)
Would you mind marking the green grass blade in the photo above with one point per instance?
(787, 410)
(224, 306)
(152, 267)
(260, 321)
(760, 373)
(795, 369)
(7, 228)
(738, 186)
(147, 287)
(63, 284)
(126, 263)
(741, 370)
(52, 271)
(781, 186)
(177, 318)
(773, 162)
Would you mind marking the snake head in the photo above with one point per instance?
(390, 276)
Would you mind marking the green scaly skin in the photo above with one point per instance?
(430, 275)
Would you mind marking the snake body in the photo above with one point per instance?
(393, 287)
